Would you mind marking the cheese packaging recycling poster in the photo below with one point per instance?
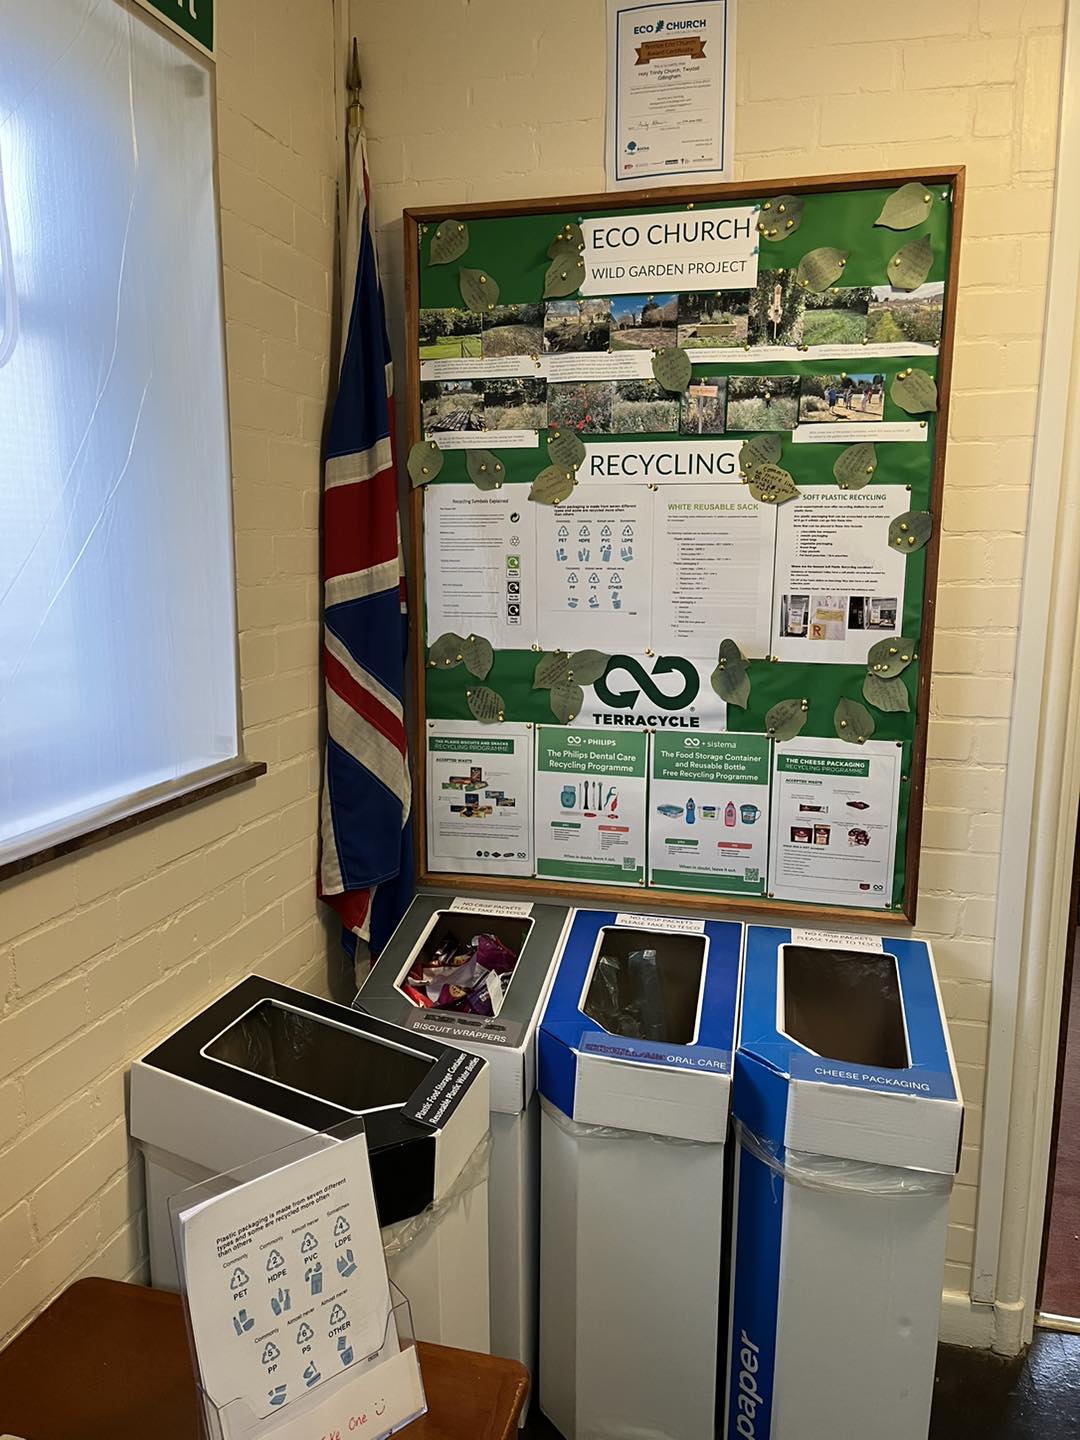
(675, 438)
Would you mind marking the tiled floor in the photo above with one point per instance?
(982, 1397)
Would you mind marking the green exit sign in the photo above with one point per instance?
(193, 18)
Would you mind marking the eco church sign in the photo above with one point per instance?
(193, 18)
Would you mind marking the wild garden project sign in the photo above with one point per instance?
(692, 250)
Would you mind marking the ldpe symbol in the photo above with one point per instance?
(341, 1225)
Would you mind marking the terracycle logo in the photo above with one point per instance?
(627, 697)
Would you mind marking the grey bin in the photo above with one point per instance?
(508, 1043)
(266, 1065)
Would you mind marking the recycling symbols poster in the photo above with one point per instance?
(286, 1281)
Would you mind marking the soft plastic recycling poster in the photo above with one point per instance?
(674, 471)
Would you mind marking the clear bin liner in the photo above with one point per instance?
(405, 1233)
(627, 998)
(608, 1132)
(285, 1043)
(828, 1172)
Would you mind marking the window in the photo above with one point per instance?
(118, 680)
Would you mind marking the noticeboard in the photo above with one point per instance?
(677, 463)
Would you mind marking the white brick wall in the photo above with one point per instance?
(494, 99)
(100, 953)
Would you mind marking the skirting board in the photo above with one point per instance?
(980, 1327)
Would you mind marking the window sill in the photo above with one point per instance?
(138, 812)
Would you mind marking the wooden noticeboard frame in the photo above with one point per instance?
(630, 897)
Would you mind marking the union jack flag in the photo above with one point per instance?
(365, 868)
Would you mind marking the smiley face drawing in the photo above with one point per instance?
(380, 1408)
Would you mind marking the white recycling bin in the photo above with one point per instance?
(266, 1065)
(848, 1118)
(635, 1077)
(507, 1040)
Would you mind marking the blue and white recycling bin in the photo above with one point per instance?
(635, 1077)
(847, 1116)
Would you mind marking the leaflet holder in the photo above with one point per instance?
(385, 1387)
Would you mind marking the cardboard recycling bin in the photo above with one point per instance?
(266, 1065)
(635, 1075)
(434, 922)
(848, 1120)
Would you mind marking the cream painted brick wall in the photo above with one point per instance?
(501, 98)
(101, 953)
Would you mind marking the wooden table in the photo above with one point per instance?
(123, 1353)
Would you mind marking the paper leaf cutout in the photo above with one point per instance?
(449, 242)
(672, 369)
(447, 651)
(730, 654)
(818, 269)
(852, 721)
(907, 207)
(911, 530)
(567, 240)
(780, 218)
(772, 485)
(424, 462)
(552, 485)
(486, 705)
(566, 448)
(586, 666)
(855, 466)
(479, 291)
(914, 391)
(910, 266)
(888, 695)
(553, 669)
(786, 719)
(566, 702)
(731, 682)
(889, 658)
(486, 470)
(564, 275)
(478, 656)
(759, 450)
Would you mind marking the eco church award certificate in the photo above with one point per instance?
(670, 90)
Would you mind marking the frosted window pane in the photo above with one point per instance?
(117, 612)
